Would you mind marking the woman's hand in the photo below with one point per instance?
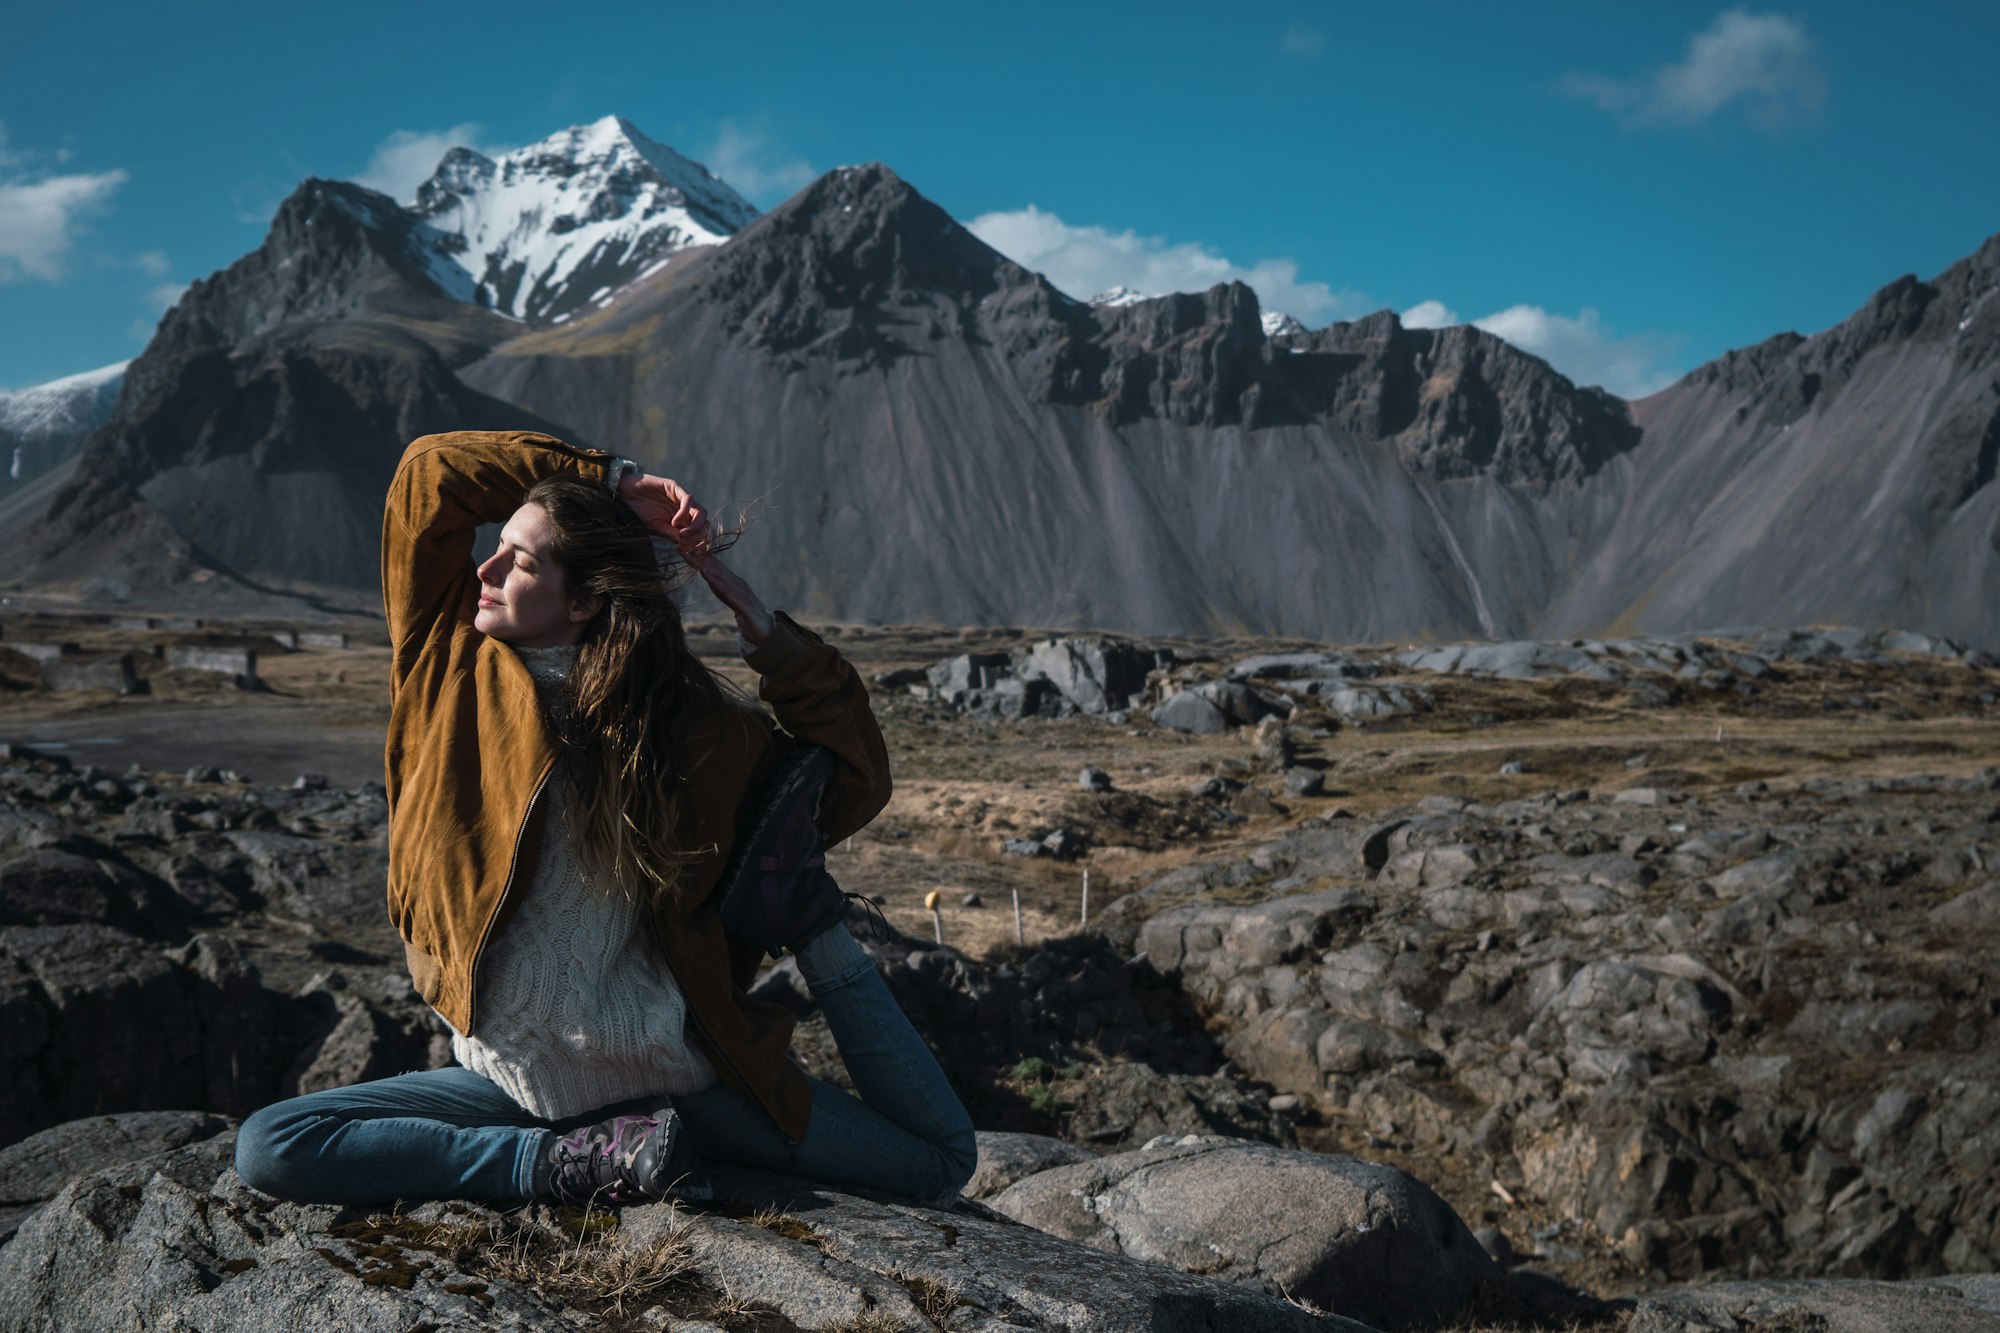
(668, 511)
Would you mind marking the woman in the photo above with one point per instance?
(566, 782)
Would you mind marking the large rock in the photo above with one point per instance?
(1093, 674)
(1362, 1240)
(1005, 1158)
(92, 1019)
(51, 887)
(1963, 1304)
(35, 1169)
(1189, 711)
(316, 878)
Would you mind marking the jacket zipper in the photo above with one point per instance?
(710, 1041)
(513, 868)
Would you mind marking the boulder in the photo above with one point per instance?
(92, 1018)
(50, 887)
(34, 1170)
(1095, 675)
(1003, 1159)
(956, 677)
(1975, 908)
(1189, 711)
(1126, 1104)
(1361, 1240)
(315, 878)
(1290, 669)
(1955, 1304)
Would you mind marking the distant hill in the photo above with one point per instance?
(936, 434)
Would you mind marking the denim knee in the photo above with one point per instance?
(961, 1155)
(260, 1152)
(958, 1158)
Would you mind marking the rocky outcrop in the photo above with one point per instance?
(35, 1170)
(1457, 402)
(195, 945)
(1939, 1305)
(1340, 1234)
(1723, 1028)
(177, 1240)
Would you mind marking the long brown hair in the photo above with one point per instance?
(627, 702)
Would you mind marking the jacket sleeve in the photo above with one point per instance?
(444, 488)
(819, 699)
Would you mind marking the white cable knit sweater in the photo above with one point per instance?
(577, 1008)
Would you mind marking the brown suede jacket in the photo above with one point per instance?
(468, 752)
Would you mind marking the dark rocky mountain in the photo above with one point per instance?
(255, 434)
(1846, 477)
(933, 433)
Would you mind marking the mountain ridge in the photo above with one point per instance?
(1180, 463)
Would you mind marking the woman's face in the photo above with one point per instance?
(523, 596)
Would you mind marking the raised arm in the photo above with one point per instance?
(819, 698)
(445, 487)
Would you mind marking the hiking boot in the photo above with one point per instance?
(627, 1159)
(776, 892)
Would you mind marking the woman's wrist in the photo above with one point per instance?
(755, 624)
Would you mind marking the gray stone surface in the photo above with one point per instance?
(1005, 1158)
(1938, 1305)
(1351, 1237)
(35, 1169)
(1189, 711)
(176, 1241)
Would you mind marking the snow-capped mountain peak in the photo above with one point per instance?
(1116, 296)
(41, 425)
(550, 230)
(1278, 324)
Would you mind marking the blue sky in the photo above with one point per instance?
(1628, 190)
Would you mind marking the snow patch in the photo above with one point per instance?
(73, 403)
(1118, 296)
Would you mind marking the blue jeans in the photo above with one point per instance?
(450, 1133)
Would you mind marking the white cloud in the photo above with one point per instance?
(41, 219)
(744, 161)
(1587, 350)
(1763, 61)
(153, 263)
(406, 159)
(1084, 261)
(1430, 315)
(163, 297)
(1301, 41)
(1582, 346)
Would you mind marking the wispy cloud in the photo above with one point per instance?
(1084, 261)
(1300, 40)
(153, 263)
(1581, 346)
(749, 165)
(1765, 62)
(406, 159)
(1430, 315)
(41, 215)
(163, 297)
